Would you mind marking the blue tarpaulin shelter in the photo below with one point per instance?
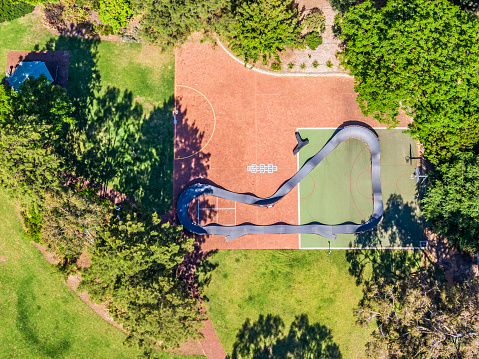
(28, 69)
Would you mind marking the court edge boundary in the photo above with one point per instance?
(284, 74)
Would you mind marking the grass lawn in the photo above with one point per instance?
(285, 283)
(41, 317)
(339, 190)
(123, 94)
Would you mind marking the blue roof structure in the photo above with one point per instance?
(28, 69)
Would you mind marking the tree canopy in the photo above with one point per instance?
(421, 317)
(452, 204)
(170, 22)
(420, 58)
(71, 219)
(263, 28)
(45, 107)
(133, 265)
(115, 13)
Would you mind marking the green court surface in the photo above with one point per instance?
(338, 190)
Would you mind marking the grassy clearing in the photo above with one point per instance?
(123, 94)
(285, 283)
(41, 317)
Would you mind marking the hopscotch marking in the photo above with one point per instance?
(216, 209)
(262, 168)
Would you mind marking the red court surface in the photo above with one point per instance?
(235, 127)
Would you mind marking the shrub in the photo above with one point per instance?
(32, 220)
(342, 5)
(276, 66)
(313, 40)
(290, 66)
(10, 11)
(314, 22)
(329, 64)
(315, 63)
(115, 13)
(303, 66)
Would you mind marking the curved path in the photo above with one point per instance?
(328, 231)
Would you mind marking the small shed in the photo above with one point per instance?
(26, 70)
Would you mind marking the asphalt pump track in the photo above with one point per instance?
(325, 230)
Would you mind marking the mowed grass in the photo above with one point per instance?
(286, 283)
(41, 317)
(123, 96)
(144, 70)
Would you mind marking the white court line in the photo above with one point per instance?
(299, 198)
(299, 184)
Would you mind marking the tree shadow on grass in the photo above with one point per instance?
(266, 339)
(402, 226)
(47, 344)
(115, 142)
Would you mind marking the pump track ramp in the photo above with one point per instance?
(328, 231)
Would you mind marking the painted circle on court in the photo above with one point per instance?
(195, 122)
(402, 184)
(367, 174)
(310, 179)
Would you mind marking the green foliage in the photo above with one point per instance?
(329, 64)
(45, 107)
(421, 58)
(170, 22)
(263, 28)
(5, 103)
(71, 220)
(315, 63)
(421, 317)
(342, 5)
(452, 204)
(133, 265)
(115, 13)
(291, 66)
(32, 220)
(275, 66)
(10, 11)
(313, 40)
(27, 169)
(314, 21)
(302, 66)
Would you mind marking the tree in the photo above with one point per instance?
(27, 169)
(451, 204)
(420, 58)
(46, 107)
(5, 103)
(133, 265)
(263, 28)
(342, 5)
(71, 219)
(12, 10)
(115, 13)
(170, 22)
(421, 317)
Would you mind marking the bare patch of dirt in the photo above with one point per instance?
(50, 257)
(83, 261)
(100, 309)
(3, 259)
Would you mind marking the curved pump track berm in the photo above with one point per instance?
(328, 231)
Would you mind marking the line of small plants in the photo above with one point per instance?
(276, 66)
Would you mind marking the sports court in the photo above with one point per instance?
(236, 128)
(338, 190)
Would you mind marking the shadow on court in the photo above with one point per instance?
(403, 226)
(266, 338)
